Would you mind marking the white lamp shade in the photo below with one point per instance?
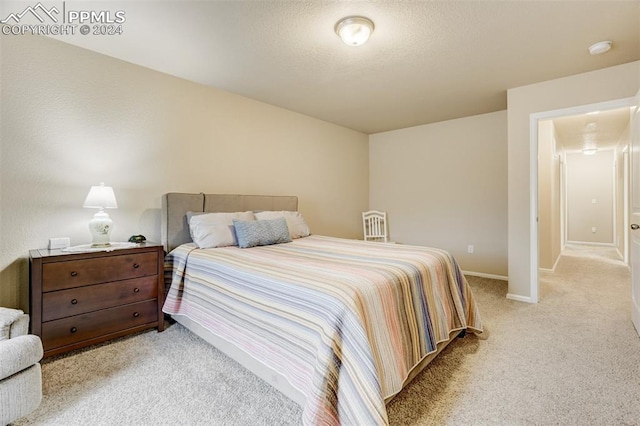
(101, 197)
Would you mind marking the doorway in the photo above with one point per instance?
(550, 226)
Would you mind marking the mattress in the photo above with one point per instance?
(344, 321)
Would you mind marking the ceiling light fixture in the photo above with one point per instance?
(354, 30)
(600, 47)
(589, 146)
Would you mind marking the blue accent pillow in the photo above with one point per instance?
(261, 232)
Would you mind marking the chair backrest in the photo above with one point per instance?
(374, 224)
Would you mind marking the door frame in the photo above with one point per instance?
(533, 175)
(625, 202)
(633, 255)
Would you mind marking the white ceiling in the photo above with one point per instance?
(426, 61)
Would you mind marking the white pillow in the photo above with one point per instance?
(295, 222)
(210, 230)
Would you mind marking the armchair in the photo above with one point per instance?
(20, 372)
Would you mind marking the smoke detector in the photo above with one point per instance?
(600, 47)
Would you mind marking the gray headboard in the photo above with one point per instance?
(175, 205)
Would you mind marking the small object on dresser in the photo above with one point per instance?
(59, 243)
(137, 239)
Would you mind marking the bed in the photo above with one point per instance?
(339, 326)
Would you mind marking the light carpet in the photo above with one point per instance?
(572, 359)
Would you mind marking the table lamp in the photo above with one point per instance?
(100, 197)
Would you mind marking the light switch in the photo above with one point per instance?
(593, 201)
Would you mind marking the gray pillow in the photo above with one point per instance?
(295, 222)
(261, 232)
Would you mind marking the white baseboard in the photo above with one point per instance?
(519, 298)
(502, 278)
(555, 265)
(586, 243)
(483, 275)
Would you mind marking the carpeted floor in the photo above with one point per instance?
(574, 359)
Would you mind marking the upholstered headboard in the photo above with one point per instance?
(175, 205)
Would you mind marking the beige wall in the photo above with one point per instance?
(72, 118)
(597, 86)
(590, 178)
(445, 185)
(549, 242)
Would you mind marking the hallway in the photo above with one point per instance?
(600, 268)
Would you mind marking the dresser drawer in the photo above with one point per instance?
(75, 329)
(76, 273)
(75, 301)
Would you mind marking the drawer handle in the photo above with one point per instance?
(74, 301)
(74, 274)
(136, 314)
(136, 290)
(136, 266)
(73, 329)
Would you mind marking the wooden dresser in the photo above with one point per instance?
(79, 299)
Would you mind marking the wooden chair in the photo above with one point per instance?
(374, 224)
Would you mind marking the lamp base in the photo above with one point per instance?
(100, 227)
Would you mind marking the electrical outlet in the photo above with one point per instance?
(470, 248)
(593, 229)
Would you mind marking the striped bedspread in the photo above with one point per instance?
(344, 321)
